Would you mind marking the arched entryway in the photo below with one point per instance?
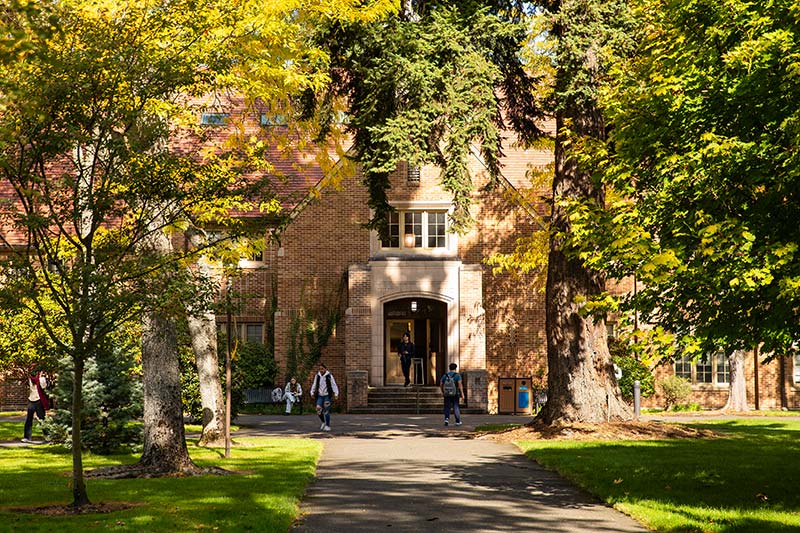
(425, 320)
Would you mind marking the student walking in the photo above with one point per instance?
(452, 388)
(324, 389)
(37, 402)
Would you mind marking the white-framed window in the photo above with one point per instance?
(796, 369)
(417, 229)
(711, 369)
(413, 174)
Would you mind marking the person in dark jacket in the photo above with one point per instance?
(406, 352)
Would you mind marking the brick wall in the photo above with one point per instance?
(710, 396)
(13, 394)
(317, 249)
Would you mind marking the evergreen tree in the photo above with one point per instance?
(112, 401)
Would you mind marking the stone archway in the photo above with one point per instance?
(425, 320)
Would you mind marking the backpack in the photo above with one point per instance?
(449, 386)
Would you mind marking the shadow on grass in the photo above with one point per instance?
(744, 482)
(264, 497)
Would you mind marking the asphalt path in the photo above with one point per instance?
(410, 473)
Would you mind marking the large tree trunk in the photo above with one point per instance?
(581, 383)
(165, 449)
(580, 380)
(737, 396)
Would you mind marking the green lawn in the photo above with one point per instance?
(264, 496)
(746, 481)
(14, 430)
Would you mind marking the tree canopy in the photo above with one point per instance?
(90, 93)
(702, 158)
(425, 84)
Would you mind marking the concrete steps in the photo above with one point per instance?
(414, 399)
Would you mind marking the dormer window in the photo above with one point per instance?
(214, 119)
(276, 119)
(417, 230)
(413, 174)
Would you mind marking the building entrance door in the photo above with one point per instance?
(424, 320)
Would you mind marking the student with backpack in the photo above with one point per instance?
(452, 388)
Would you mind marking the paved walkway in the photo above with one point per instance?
(409, 473)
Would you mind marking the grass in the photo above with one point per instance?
(745, 481)
(264, 496)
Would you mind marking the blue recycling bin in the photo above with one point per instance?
(523, 396)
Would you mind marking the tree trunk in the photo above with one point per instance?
(580, 380)
(79, 495)
(165, 449)
(203, 332)
(737, 395)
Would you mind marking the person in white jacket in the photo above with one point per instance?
(324, 390)
(292, 394)
(37, 402)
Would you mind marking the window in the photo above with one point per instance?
(703, 370)
(214, 119)
(683, 368)
(712, 369)
(796, 371)
(245, 332)
(273, 120)
(413, 173)
(417, 229)
(723, 373)
(254, 333)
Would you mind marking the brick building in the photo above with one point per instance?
(424, 280)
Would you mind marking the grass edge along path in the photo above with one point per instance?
(743, 481)
(272, 475)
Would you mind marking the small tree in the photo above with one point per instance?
(112, 401)
(676, 391)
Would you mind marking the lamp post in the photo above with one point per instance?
(228, 330)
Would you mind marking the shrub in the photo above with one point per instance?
(112, 401)
(632, 370)
(687, 407)
(676, 391)
(254, 367)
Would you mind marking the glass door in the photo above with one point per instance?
(394, 334)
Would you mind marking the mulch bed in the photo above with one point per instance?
(606, 431)
(68, 510)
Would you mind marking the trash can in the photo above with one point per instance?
(514, 395)
(523, 395)
(505, 401)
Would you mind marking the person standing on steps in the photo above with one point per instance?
(325, 390)
(452, 388)
(406, 352)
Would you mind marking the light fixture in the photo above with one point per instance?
(413, 306)
(409, 240)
